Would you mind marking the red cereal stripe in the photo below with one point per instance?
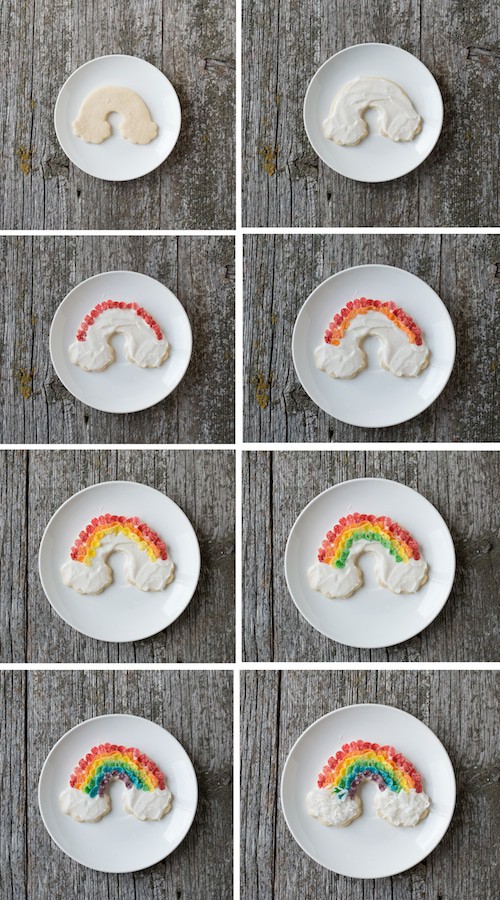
(89, 319)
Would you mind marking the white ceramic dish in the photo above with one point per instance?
(369, 847)
(374, 398)
(376, 158)
(373, 616)
(116, 159)
(123, 387)
(118, 842)
(121, 612)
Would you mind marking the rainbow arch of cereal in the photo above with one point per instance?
(108, 761)
(335, 549)
(90, 318)
(89, 539)
(394, 313)
(361, 760)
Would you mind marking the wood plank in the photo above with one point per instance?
(280, 273)
(37, 273)
(462, 485)
(462, 710)
(37, 708)
(14, 796)
(192, 43)
(285, 184)
(35, 485)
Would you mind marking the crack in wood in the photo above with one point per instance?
(483, 54)
(219, 66)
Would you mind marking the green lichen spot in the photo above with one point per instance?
(262, 386)
(25, 378)
(25, 155)
(269, 155)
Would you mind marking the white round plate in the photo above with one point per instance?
(369, 847)
(123, 387)
(121, 612)
(373, 616)
(119, 842)
(376, 158)
(374, 398)
(117, 159)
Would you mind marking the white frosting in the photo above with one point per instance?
(398, 808)
(398, 577)
(83, 808)
(397, 117)
(144, 805)
(396, 353)
(322, 804)
(136, 126)
(402, 808)
(140, 570)
(147, 805)
(142, 347)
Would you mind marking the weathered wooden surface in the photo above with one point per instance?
(37, 708)
(280, 273)
(32, 487)
(42, 43)
(460, 707)
(284, 182)
(36, 273)
(464, 488)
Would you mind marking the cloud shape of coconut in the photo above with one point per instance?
(145, 345)
(397, 117)
(399, 566)
(147, 565)
(400, 799)
(147, 796)
(136, 126)
(402, 349)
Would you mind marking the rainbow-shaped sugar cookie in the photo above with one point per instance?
(86, 799)
(147, 565)
(399, 565)
(402, 349)
(145, 345)
(400, 798)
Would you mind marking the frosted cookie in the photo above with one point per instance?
(147, 565)
(145, 345)
(400, 799)
(147, 796)
(399, 566)
(402, 349)
(92, 125)
(397, 117)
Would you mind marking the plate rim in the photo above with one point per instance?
(115, 716)
(333, 487)
(373, 44)
(52, 341)
(83, 66)
(334, 712)
(301, 311)
(92, 487)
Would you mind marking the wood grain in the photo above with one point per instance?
(462, 710)
(285, 184)
(37, 273)
(463, 486)
(280, 273)
(32, 487)
(41, 44)
(37, 708)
